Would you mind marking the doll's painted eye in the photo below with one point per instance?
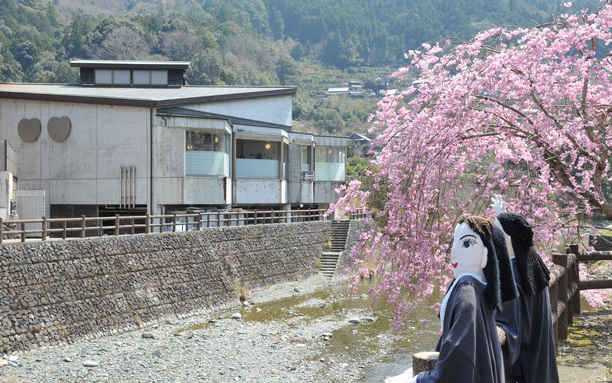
(467, 242)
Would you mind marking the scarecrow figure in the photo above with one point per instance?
(469, 346)
(530, 352)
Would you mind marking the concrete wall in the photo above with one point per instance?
(274, 109)
(63, 291)
(298, 191)
(84, 168)
(260, 191)
(325, 191)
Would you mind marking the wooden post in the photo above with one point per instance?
(174, 223)
(569, 307)
(44, 229)
(572, 283)
(424, 361)
(22, 231)
(117, 220)
(83, 226)
(148, 224)
(64, 225)
(575, 270)
(554, 300)
(561, 260)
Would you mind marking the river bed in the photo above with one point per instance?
(373, 342)
(299, 332)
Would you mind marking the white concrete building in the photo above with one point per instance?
(132, 138)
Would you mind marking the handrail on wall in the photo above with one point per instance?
(84, 226)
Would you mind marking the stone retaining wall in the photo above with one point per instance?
(61, 291)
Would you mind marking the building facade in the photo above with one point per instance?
(133, 138)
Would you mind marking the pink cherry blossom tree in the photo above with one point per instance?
(520, 112)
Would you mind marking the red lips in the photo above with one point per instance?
(454, 265)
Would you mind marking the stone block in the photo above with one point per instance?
(59, 292)
(84, 288)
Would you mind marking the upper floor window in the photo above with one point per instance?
(306, 158)
(330, 164)
(133, 73)
(150, 77)
(128, 77)
(206, 153)
(261, 159)
(113, 76)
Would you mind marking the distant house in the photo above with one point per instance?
(354, 89)
(133, 138)
(362, 142)
(381, 85)
(355, 85)
(341, 91)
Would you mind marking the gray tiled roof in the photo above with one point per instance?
(140, 97)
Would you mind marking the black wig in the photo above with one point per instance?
(532, 270)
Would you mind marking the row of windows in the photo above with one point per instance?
(207, 154)
(199, 141)
(131, 77)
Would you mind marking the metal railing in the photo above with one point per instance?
(45, 228)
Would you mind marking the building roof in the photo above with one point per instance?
(182, 112)
(330, 141)
(130, 64)
(359, 137)
(137, 97)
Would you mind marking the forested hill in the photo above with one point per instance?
(339, 33)
(314, 44)
(379, 32)
(345, 33)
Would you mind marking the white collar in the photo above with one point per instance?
(472, 274)
(476, 276)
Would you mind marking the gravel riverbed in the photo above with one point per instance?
(301, 331)
(226, 347)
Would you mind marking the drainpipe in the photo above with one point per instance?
(234, 189)
(150, 209)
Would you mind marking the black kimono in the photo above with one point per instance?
(469, 346)
(530, 351)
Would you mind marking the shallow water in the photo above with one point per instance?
(393, 349)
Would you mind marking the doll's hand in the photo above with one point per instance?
(498, 204)
(406, 377)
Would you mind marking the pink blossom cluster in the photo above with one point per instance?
(519, 112)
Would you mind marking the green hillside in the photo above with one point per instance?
(314, 44)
